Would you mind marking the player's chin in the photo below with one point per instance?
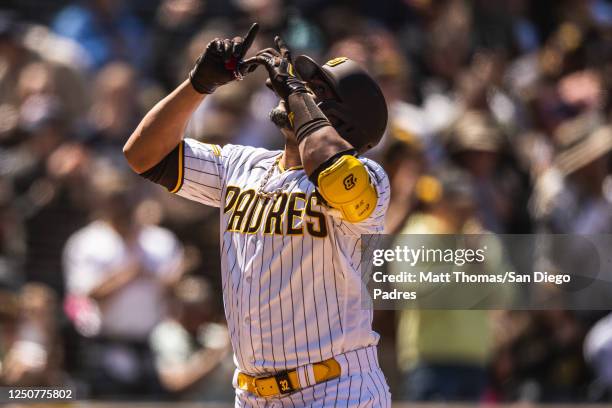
(279, 116)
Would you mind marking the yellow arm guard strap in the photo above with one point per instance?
(345, 185)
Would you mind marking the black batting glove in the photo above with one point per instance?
(280, 70)
(222, 62)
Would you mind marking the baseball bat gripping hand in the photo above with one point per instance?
(277, 62)
(222, 62)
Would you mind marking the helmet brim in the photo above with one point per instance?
(308, 70)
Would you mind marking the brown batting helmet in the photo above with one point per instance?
(349, 97)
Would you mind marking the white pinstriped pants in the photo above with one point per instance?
(361, 385)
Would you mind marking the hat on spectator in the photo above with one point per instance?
(581, 141)
(474, 131)
(450, 183)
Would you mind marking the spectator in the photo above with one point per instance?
(115, 110)
(192, 352)
(34, 357)
(582, 205)
(45, 173)
(176, 22)
(443, 354)
(405, 164)
(27, 63)
(478, 146)
(117, 273)
(598, 353)
(9, 311)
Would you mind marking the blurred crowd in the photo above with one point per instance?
(500, 116)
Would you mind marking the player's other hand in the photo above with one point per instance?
(280, 69)
(221, 62)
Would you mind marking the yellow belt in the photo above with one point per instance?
(288, 381)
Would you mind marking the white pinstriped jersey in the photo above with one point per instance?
(290, 267)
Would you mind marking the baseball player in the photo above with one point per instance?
(291, 222)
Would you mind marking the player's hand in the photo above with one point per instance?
(280, 69)
(221, 62)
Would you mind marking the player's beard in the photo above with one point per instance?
(279, 116)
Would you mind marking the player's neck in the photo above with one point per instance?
(291, 156)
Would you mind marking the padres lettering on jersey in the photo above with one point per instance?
(290, 267)
(287, 214)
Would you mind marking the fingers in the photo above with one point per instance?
(269, 84)
(266, 60)
(270, 51)
(236, 47)
(282, 47)
(237, 43)
(269, 57)
(215, 46)
(246, 43)
(227, 49)
(250, 37)
(246, 67)
(261, 59)
(249, 62)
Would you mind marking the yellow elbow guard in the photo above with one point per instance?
(345, 185)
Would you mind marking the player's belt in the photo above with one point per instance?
(290, 381)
